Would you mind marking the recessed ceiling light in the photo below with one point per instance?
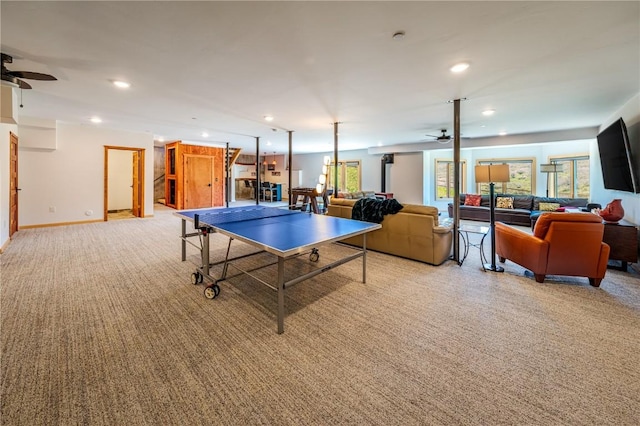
(96, 120)
(205, 134)
(488, 112)
(160, 139)
(502, 133)
(398, 35)
(121, 84)
(459, 67)
(268, 143)
(268, 118)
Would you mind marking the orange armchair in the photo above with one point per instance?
(561, 244)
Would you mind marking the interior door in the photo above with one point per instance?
(13, 184)
(135, 209)
(198, 181)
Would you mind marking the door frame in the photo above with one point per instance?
(139, 202)
(13, 184)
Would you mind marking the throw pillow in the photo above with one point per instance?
(472, 200)
(504, 202)
(549, 207)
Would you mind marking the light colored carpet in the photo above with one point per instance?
(101, 326)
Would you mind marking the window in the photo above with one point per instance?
(573, 180)
(521, 177)
(444, 177)
(348, 176)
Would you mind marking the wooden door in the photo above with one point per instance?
(13, 184)
(198, 181)
(135, 203)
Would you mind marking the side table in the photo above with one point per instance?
(622, 237)
(464, 230)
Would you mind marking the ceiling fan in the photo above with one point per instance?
(443, 138)
(15, 77)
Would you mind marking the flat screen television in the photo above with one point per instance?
(618, 171)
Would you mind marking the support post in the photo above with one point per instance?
(290, 165)
(456, 179)
(258, 170)
(227, 192)
(335, 159)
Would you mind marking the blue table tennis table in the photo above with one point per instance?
(282, 232)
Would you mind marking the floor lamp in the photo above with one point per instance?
(492, 173)
(550, 168)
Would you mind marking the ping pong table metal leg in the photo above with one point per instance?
(184, 240)
(280, 295)
(364, 258)
(205, 253)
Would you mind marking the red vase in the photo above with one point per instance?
(613, 212)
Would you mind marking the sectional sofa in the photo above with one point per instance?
(524, 208)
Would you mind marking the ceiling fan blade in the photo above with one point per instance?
(32, 75)
(23, 84)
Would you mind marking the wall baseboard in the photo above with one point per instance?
(46, 225)
(5, 245)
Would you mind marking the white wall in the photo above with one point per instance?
(630, 113)
(120, 180)
(71, 178)
(405, 177)
(4, 180)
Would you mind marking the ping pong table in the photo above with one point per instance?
(281, 232)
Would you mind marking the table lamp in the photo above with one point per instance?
(492, 173)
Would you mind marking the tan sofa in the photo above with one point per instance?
(412, 233)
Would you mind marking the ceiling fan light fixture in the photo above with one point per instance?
(459, 67)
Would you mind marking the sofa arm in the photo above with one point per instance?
(442, 229)
(521, 248)
(442, 242)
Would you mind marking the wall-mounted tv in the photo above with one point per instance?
(618, 171)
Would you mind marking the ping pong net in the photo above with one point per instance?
(238, 214)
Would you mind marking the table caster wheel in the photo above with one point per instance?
(196, 278)
(212, 291)
(314, 255)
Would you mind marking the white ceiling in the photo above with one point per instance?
(220, 67)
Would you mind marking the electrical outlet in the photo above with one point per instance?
(52, 209)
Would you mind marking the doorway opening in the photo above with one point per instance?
(123, 182)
